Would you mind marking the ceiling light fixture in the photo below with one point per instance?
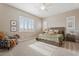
(43, 7)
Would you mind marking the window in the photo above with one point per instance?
(26, 24)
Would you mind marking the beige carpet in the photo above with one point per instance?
(36, 48)
(51, 50)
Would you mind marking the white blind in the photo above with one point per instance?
(26, 24)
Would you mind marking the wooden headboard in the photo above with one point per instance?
(58, 28)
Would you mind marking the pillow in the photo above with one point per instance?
(56, 31)
(51, 32)
(2, 35)
(61, 32)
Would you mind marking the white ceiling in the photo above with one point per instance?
(51, 8)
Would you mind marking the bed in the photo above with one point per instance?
(53, 36)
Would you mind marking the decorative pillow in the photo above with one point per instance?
(56, 31)
(61, 32)
(51, 32)
(2, 35)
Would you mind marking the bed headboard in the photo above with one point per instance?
(60, 29)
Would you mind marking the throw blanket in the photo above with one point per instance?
(54, 37)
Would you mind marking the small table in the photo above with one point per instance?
(70, 37)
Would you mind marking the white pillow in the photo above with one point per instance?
(56, 31)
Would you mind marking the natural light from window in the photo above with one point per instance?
(26, 24)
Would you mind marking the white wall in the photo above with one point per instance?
(60, 19)
(8, 13)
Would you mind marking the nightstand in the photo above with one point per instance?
(70, 37)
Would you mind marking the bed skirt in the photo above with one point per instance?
(50, 42)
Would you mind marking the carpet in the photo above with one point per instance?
(51, 50)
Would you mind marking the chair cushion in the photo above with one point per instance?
(13, 42)
(2, 35)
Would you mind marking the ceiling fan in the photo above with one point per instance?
(45, 6)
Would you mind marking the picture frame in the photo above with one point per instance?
(13, 29)
(13, 22)
(70, 24)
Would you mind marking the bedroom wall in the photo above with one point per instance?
(8, 13)
(60, 19)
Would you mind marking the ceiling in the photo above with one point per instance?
(51, 8)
